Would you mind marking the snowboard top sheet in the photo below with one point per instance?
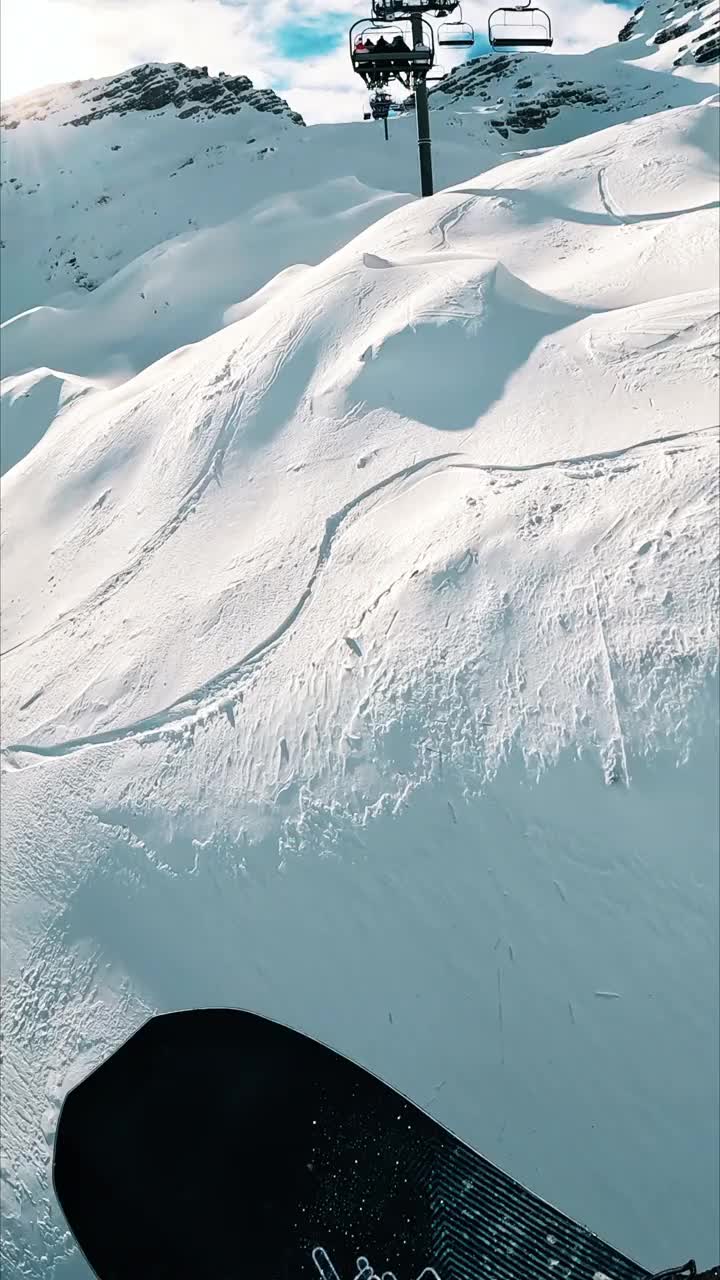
(216, 1143)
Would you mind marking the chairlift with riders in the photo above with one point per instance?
(381, 52)
(520, 26)
(398, 43)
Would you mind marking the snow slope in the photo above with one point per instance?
(138, 209)
(360, 666)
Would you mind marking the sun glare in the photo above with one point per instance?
(43, 41)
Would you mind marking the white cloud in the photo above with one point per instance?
(45, 41)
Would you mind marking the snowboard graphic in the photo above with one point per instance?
(218, 1144)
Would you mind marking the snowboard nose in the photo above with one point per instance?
(217, 1143)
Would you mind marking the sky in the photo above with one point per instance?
(297, 47)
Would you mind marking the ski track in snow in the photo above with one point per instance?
(587, 217)
(607, 203)
(211, 470)
(451, 219)
(198, 702)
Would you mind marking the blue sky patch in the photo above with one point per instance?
(313, 39)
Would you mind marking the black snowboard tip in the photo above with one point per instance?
(214, 1142)
(217, 1143)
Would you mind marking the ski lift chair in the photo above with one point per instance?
(380, 104)
(388, 10)
(378, 66)
(520, 26)
(456, 34)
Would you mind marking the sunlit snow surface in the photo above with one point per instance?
(360, 668)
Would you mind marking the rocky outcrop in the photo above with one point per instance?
(629, 29)
(190, 91)
(521, 94)
(694, 21)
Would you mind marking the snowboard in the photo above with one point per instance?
(216, 1143)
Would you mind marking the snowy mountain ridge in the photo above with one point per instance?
(120, 145)
(522, 94)
(151, 196)
(359, 626)
(687, 30)
(150, 87)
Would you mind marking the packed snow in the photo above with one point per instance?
(359, 635)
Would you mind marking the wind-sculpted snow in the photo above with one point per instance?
(360, 667)
(30, 403)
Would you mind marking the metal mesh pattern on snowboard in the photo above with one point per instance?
(487, 1225)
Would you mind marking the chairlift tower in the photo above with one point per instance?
(519, 25)
(411, 64)
(422, 112)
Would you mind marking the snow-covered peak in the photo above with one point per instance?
(152, 87)
(97, 173)
(686, 32)
(531, 99)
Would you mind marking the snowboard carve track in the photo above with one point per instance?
(190, 704)
(450, 220)
(221, 687)
(607, 201)
(609, 217)
(210, 471)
